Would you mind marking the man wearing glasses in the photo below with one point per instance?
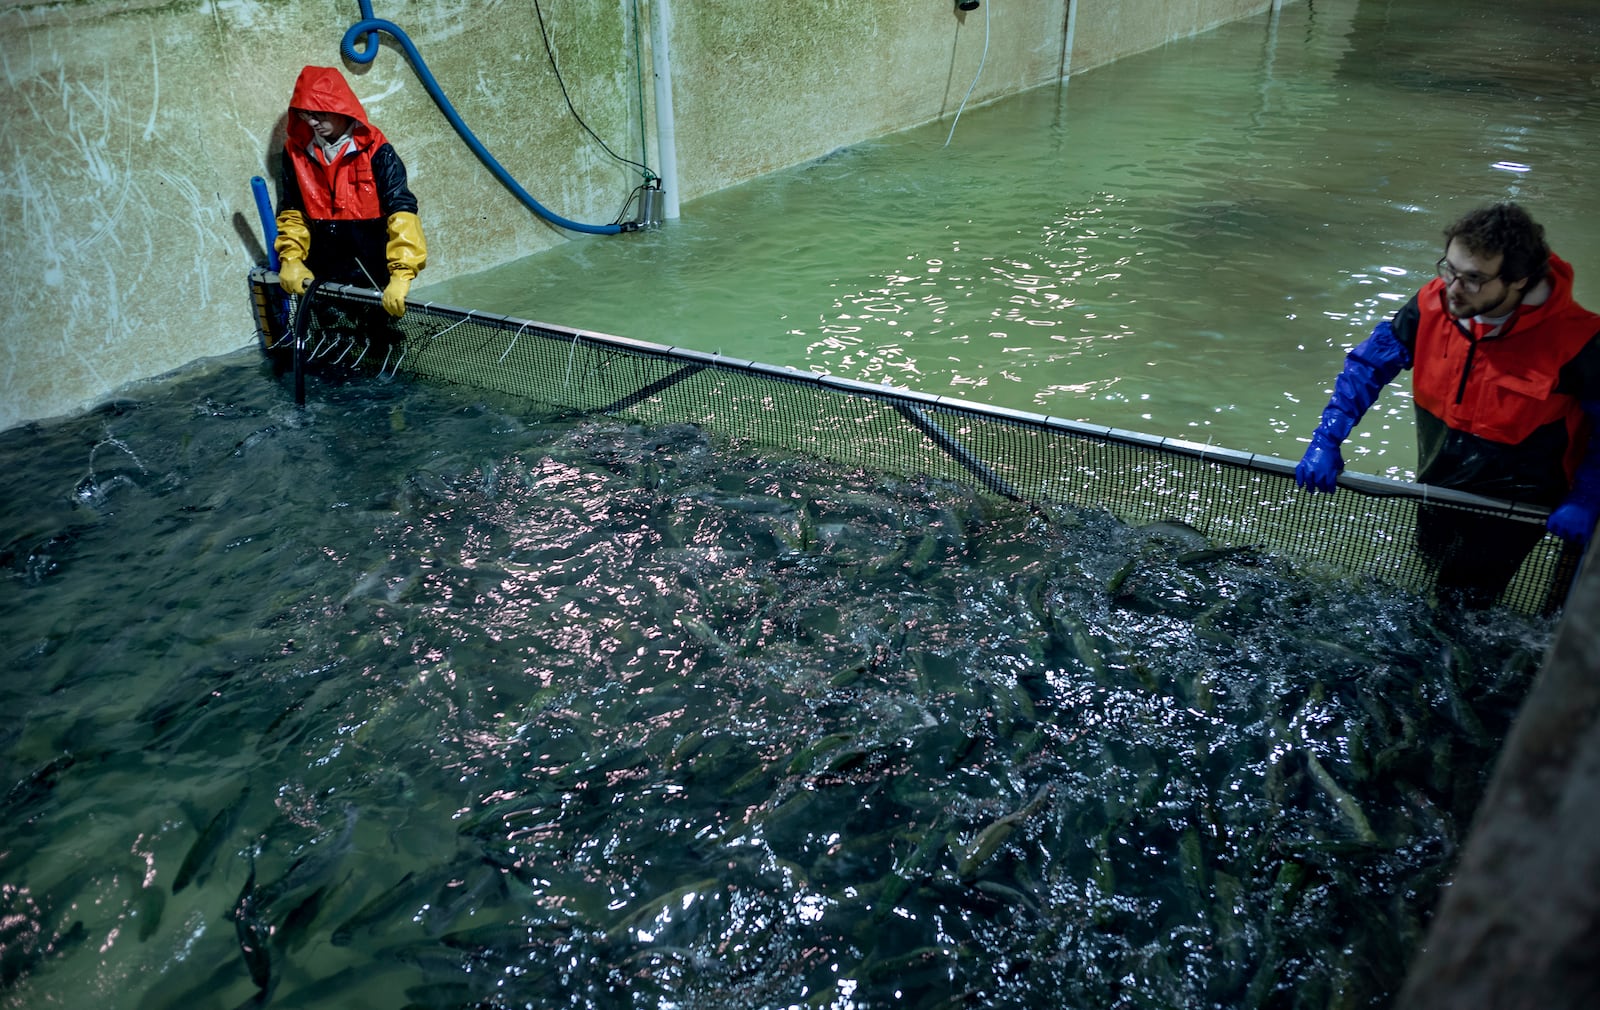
(1506, 384)
(347, 213)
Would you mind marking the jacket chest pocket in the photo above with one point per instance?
(361, 175)
(355, 192)
(1534, 387)
(1515, 404)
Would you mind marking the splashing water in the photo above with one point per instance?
(429, 700)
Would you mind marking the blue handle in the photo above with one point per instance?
(269, 222)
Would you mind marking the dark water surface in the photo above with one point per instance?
(412, 698)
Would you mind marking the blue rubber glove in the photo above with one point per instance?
(1319, 469)
(1370, 365)
(1574, 521)
(1575, 517)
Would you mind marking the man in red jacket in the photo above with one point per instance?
(1506, 386)
(347, 214)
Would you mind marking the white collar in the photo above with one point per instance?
(333, 150)
(1533, 299)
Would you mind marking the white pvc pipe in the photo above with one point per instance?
(666, 137)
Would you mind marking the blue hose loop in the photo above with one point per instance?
(371, 26)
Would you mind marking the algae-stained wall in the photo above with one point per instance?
(1110, 30)
(133, 127)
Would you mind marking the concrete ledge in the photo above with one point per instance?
(1519, 926)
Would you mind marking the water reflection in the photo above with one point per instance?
(1229, 213)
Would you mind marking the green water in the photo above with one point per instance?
(1182, 243)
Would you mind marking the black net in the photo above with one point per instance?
(1369, 529)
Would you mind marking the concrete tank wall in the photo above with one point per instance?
(133, 127)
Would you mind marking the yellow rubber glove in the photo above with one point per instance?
(294, 236)
(394, 296)
(293, 245)
(293, 277)
(407, 250)
(406, 253)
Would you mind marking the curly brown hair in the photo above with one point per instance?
(1507, 230)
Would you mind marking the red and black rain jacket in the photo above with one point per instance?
(346, 204)
(1500, 415)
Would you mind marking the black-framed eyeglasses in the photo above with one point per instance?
(1473, 282)
(312, 117)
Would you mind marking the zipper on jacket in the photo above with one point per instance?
(1472, 346)
(1466, 368)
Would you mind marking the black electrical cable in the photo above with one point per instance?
(549, 52)
(302, 320)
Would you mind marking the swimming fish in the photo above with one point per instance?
(314, 868)
(479, 885)
(649, 910)
(21, 799)
(197, 861)
(22, 947)
(252, 931)
(992, 837)
(151, 902)
(290, 933)
(1246, 554)
(410, 890)
(1342, 800)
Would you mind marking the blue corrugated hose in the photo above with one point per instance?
(370, 27)
(269, 223)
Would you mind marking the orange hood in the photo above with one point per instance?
(324, 89)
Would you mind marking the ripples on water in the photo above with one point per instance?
(1184, 242)
(412, 698)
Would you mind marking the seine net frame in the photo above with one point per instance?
(1236, 499)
